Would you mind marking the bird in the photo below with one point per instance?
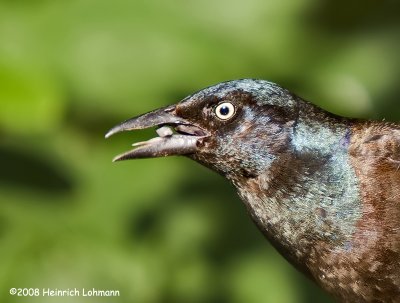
(322, 188)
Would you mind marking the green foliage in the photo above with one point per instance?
(160, 230)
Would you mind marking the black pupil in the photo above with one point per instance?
(224, 110)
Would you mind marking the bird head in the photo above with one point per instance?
(288, 159)
(235, 128)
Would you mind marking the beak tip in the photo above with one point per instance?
(109, 134)
(113, 131)
(116, 159)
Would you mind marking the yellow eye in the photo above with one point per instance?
(225, 110)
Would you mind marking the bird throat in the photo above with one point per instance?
(307, 202)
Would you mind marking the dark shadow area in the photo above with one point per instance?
(391, 110)
(312, 293)
(352, 16)
(25, 170)
(145, 224)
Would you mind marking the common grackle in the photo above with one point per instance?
(324, 190)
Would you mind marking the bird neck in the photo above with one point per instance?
(307, 201)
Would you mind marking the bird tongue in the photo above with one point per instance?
(168, 143)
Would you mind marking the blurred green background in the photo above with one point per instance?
(160, 230)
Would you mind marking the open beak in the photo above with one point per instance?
(176, 136)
